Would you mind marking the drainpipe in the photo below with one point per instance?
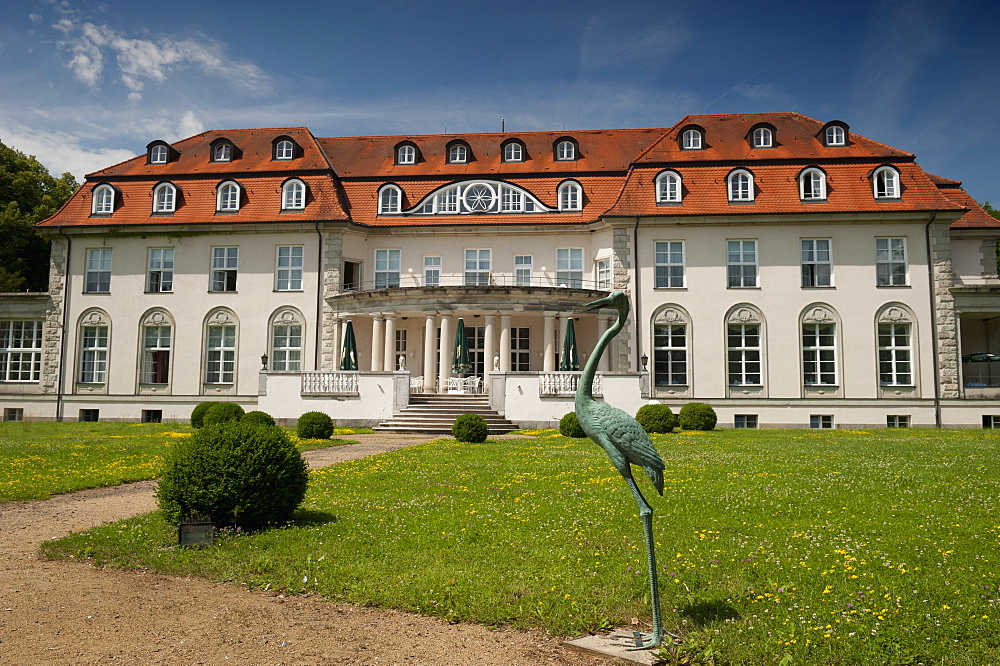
(638, 306)
(319, 300)
(65, 331)
(934, 329)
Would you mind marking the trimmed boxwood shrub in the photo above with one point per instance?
(656, 418)
(236, 474)
(198, 414)
(314, 425)
(258, 417)
(697, 416)
(221, 412)
(470, 428)
(569, 426)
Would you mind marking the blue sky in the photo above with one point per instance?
(84, 85)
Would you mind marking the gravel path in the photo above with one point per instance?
(73, 613)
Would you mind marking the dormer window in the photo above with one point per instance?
(223, 152)
(740, 185)
(284, 150)
(458, 153)
(228, 198)
(293, 195)
(691, 139)
(103, 202)
(668, 187)
(763, 137)
(565, 151)
(389, 200)
(164, 198)
(406, 154)
(835, 135)
(158, 154)
(513, 152)
(886, 183)
(812, 185)
(570, 196)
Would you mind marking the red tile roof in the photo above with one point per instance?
(976, 218)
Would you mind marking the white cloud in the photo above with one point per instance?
(60, 152)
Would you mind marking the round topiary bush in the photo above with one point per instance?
(470, 428)
(235, 474)
(569, 426)
(656, 418)
(198, 413)
(258, 417)
(314, 425)
(697, 416)
(222, 412)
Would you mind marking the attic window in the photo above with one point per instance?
(406, 154)
(158, 154)
(458, 153)
(565, 151)
(284, 150)
(223, 152)
(763, 137)
(835, 136)
(886, 183)
(513, 152)
(103, 200)
(691, 139)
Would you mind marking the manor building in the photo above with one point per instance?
(784, 270)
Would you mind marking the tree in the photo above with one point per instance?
(28, 195)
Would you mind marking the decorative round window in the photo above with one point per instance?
(479, 197)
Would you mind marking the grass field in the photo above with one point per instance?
(38, 460)
(793, 547)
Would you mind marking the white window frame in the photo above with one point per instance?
(103, 200)
(569, 267)
(513, 151)
(220, 354)
(570, 196)
(669, 187)
(21, 350)
(458, 153)
(742, 368)
(406, 154)
(511, 200)
(812, 185)
(691, 139)
(523, 269)
(602, 269)
(819, 354)
(885, 183)
(816, 260)
(225, 268)
(159, 270)
(288, 266)
(668, 264)
(223, 152)
(739, 185)
(895, 359)
(670, 354)
(478, 267)
(432, 271)
(155, 345)
(94, 354)
(158, 154)
(891, 255)
(97, 274)
(284, 150)
(165, 198)
(293, 195)
(389, 198)
(742, 264)
(835, 136)
(286, 347)
(763, 137)
(565, 151)
(387, 265)
(228, 197)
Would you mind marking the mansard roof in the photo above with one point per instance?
(976, 217)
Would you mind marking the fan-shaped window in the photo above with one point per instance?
(103, 200)
(513, 152)
(389, 200)
(565, 151)
(222, 152)
(406, 154)
(164, 198)
(763, 137)
(293, 195)
(228, 197)
(570, 196)
(691, 139)
(740, 185)
(835, 136)
(886, 183)
(812, 185)
(158, 154)
(668, 187)
(284, 150)
(458, 153)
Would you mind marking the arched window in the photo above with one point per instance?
(164, 198)
(812, 185)
(458, 153)
(406, 154)
(896, 331)
(569, 196)
(691, 139)
(820, 350)
(158, 154)
(671, 341)
(223, 152)
(293, 195)
(513, 152)
(565, 151)
(835, 136)
(103, 202)
(94, 335)
(228, 197)
(155, 335)
(668, 187)
(740, 184)
(389, 200)
(745, 351)
(221, 336)
(287, 340)
(763, 137)
(284, 150)
(886, 183)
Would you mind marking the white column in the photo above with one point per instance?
(505, 343)
(602, 327)
(378, 343)
(430, 327)
(488, 353)
(548, 343)
(445, 351)
(389, 355)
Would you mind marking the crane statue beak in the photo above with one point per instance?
(599, 303)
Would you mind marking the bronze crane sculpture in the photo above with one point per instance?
(627, 444)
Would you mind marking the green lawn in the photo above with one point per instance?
(795, 547)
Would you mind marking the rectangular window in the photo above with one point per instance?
(744, 355)
(670, 354)
(511, 200)
(220, 362)
(821, 421)
(352, 275)
(160, 269)
(745, 421)
(991, 421)
(20, 351)
(288, 273)
(89, 415)
(152, 416)
(156, 355)
(13, 413)
(604, 274)
(93, 354)
(894, 355)
(569, 267)
(816, 264)
(286, 348)
(387, 268)
(432, 271)
(669, 262)
(478, 266)
(98, 272)
(225, 263)
(741, 263)
(890, 262)
(522, 270)
(520, 349)
(897, 421)
(819, 354)
(399, 361)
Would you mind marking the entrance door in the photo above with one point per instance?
(475, 336)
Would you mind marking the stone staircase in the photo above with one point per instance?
(436, 413)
